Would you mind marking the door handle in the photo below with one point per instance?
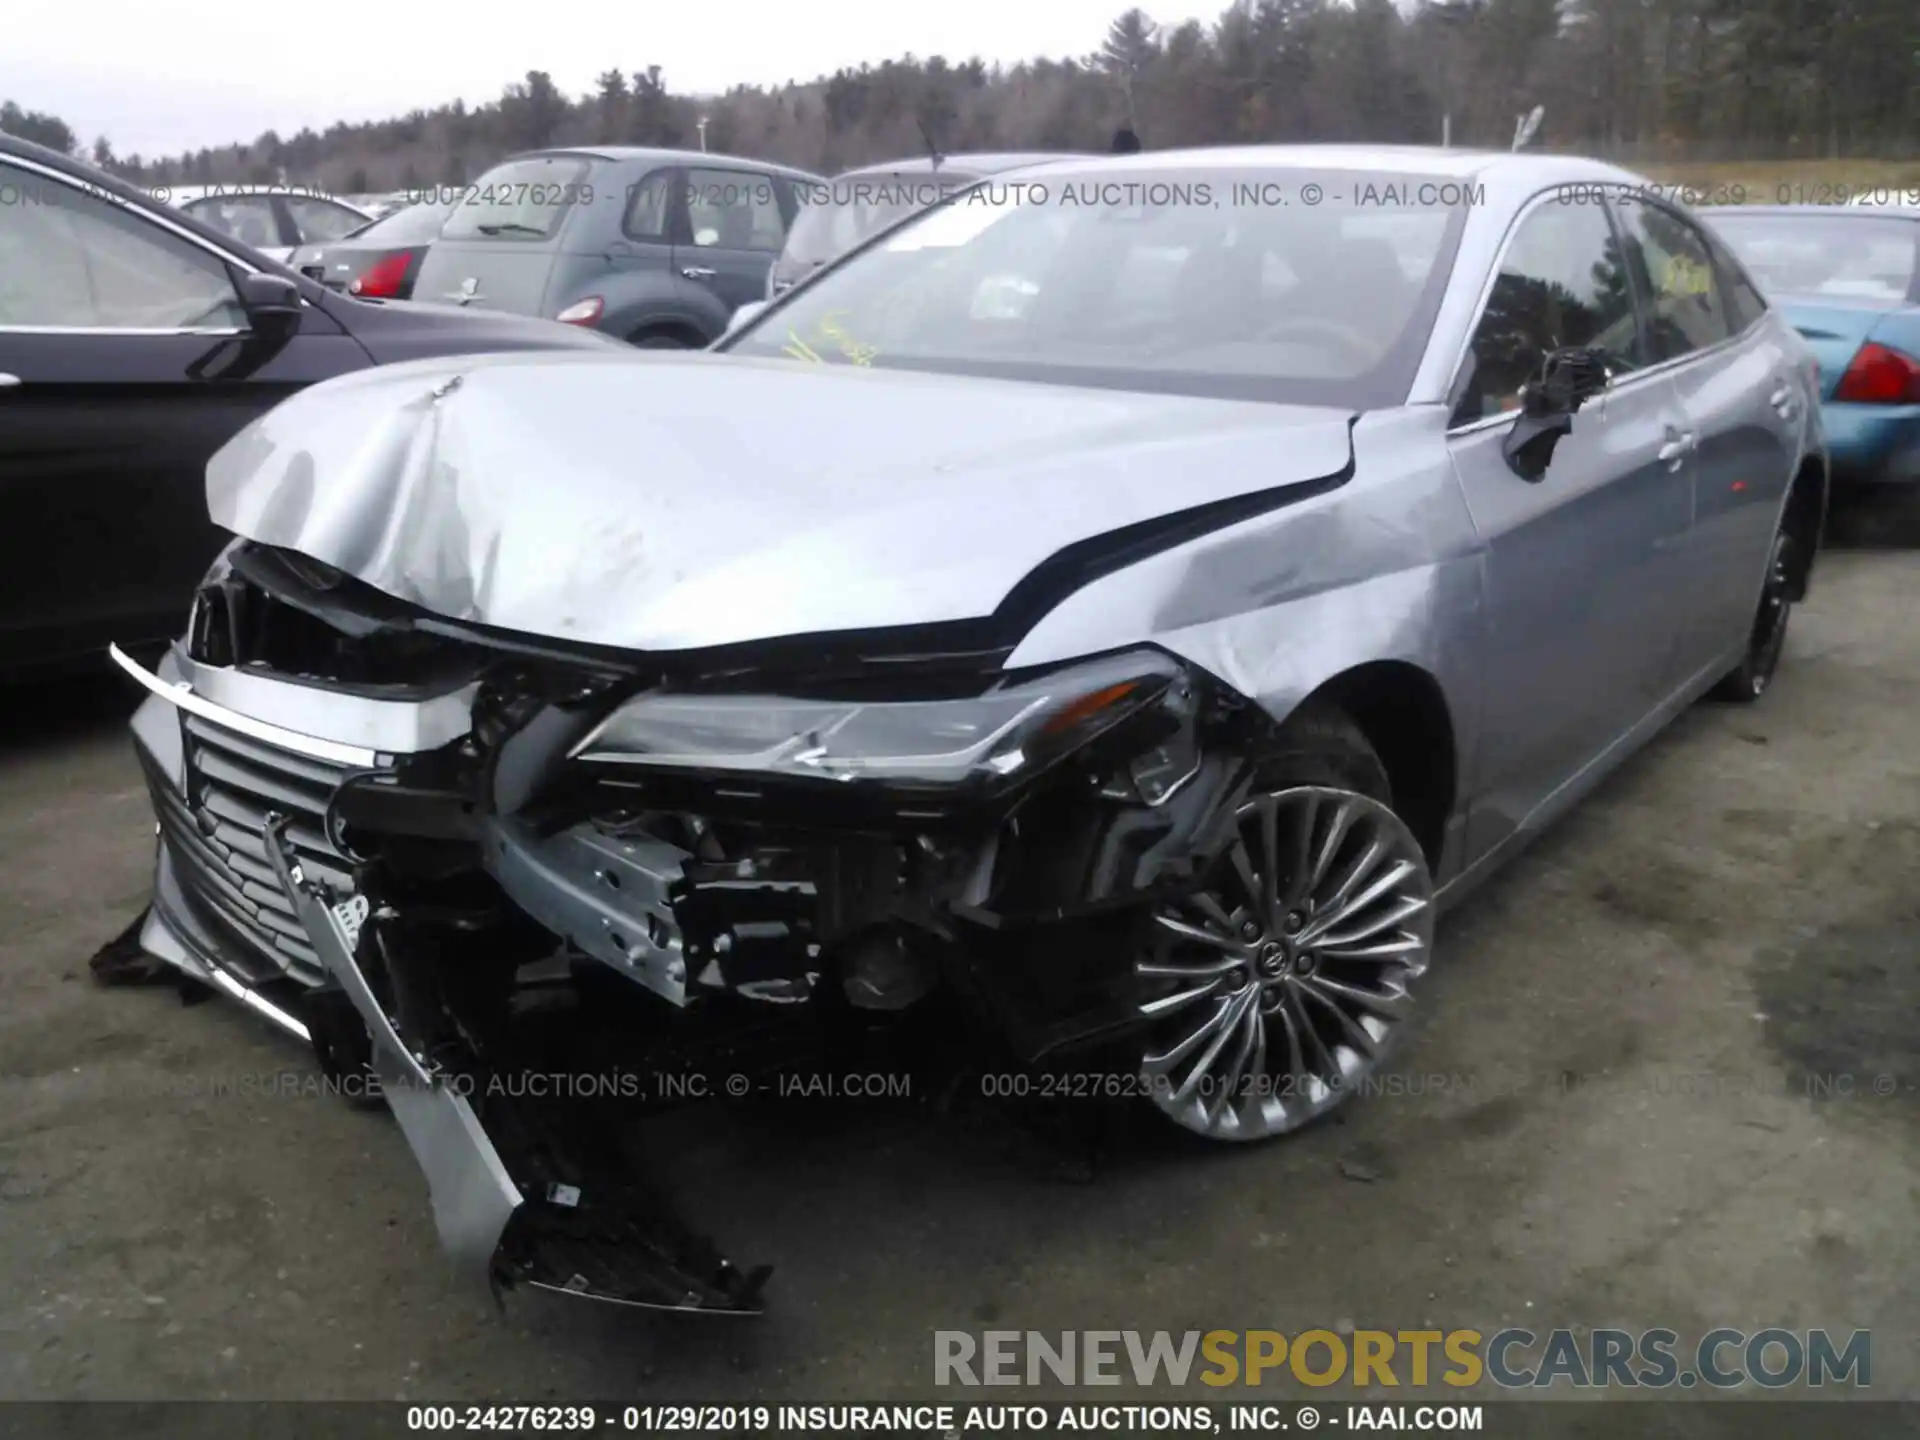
(698, 272)
(1675, 450)
(8, 382)
(1782, 402)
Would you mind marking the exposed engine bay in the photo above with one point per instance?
(449, 857)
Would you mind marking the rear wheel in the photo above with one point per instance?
(1281, 981)
(1749, 680)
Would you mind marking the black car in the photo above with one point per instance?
(379, 261)
(134, 342)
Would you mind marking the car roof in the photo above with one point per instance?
(654, 155)
(1538, 167)
(1841, 212)
(981, 163)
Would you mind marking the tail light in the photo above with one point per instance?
(583, 312)
(1880, 375)
(383, 278)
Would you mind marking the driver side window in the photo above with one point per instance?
(1562, 282)
(69, 260)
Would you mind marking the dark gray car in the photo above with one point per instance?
(654, 246)
(838, 214)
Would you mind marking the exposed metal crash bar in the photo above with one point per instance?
(473, 1195)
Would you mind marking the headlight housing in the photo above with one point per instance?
(1007, 735)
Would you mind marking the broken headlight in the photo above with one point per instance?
(1013, 731)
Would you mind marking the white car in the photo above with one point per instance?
(275, 220)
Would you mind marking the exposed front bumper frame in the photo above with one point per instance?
(491, 1226)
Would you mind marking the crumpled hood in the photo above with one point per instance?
(665, 501)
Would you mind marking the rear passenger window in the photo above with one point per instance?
(1563, 282)
(1687, 313)
(734, 210)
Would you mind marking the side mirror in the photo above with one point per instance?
(746, 315)
(272, 303)
(1568, 378)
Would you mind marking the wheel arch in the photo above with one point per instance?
(1403, 712)
(1804, 516)
(680, 329)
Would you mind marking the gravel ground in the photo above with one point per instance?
(1630, 1020)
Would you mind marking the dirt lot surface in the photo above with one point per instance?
(1628, 1022)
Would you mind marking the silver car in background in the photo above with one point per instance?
(1137, 609)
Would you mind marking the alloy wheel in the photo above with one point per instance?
(1280, 983)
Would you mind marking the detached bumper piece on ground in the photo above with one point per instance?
(450, 862)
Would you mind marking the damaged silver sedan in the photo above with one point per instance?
(1114, 610)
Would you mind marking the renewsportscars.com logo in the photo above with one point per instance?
(1511, 1358)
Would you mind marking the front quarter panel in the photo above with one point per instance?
(1387, 567)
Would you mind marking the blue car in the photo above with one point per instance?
(1848, 279)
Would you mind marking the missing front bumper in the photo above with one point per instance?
(258, 912)
(608, 1239)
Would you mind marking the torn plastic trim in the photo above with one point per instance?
(473, 1195)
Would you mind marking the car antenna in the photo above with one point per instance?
(933, 150)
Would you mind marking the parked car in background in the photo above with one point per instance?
(272, 220)
(657, 247)
(379, 206)
(134, 342)
(1848, 279)
(380, 260)
(840, 213)
(1115, 673)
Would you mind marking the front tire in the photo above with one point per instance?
(1750, 679)
(1280, 982)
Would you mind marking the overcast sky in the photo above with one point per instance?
(160, 76)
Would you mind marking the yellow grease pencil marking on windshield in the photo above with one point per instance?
(799, 348)
(853, 350)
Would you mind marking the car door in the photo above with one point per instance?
(1582, 565)
(1734, 378)
(126, 359)
(733, 223)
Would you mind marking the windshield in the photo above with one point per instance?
(520, 200)
(1224, 283)
(837, 215)
(1849, 257)
(410, 225)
